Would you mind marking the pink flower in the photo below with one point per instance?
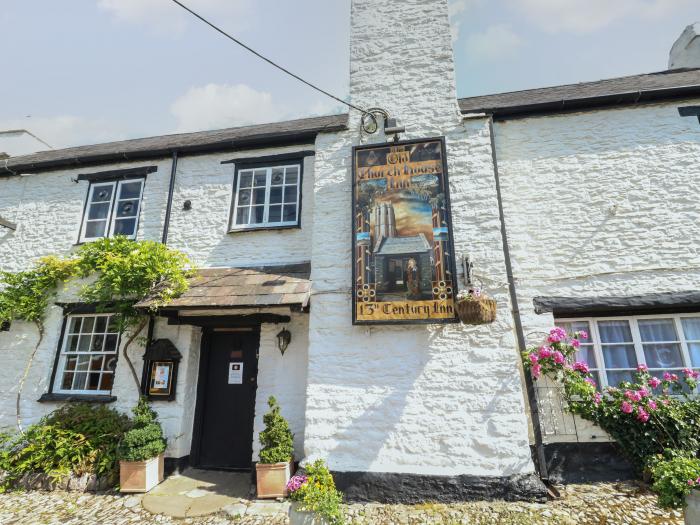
(575, 343)
(697, 481)
(691, 374)
(691, 482)
(642, 368)
(642, 415)
(536, 370)
(633, 396)
(581, 367)
(654, 382)
(556, 335)
(581, 334)
(559, 357)
(296, 482)
(545, 351)
(590, 381)
(626, 407)
(670, 377)
(596, 398)
(665, 401)
(533, 359)
(652, 405)
(643, 392)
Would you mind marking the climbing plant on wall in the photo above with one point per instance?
(117, 273)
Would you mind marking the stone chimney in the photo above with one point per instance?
(685, 52)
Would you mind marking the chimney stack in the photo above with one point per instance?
(685, 52)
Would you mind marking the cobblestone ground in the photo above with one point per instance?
(598, 504)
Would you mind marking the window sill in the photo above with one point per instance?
(265, 228)
(75, 398)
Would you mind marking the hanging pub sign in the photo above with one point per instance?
(403, 267)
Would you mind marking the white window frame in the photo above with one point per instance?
(594, 335)
(268, 183)
(63, 355)
(111, 216)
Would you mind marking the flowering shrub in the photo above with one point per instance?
(675, 474)
(315, 492)
(646, 417)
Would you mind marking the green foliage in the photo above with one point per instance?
(277, 440)
(145, 440)
(102, 426)
(675, 475)
(127, 271)
(78, 438)
(25, 295)
(319, 495)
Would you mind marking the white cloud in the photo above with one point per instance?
(216, 106)
(494, 43)
(456, 8)
(586, 16)
(59, 131)
(165, 16)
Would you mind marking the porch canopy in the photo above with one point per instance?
(216, 292)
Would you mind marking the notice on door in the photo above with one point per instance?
(235, 373)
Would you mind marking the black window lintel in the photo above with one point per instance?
(110, 175)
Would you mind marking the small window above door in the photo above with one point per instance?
(112, 208)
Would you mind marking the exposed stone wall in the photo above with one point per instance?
(421, 399)
(600, 203)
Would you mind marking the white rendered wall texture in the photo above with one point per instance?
(424, 399)
(48, 208)
(600, 203)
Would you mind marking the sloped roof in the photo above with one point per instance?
(401, 245)
(623, 90)
(164, 145)
(244, 287)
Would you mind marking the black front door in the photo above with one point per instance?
(223, 433)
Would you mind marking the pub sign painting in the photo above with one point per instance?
(403, 268)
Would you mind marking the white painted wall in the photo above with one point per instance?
(686, 49)
(427, 399)
(600, 203)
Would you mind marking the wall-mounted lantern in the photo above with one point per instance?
(284, 337)
(161, 361)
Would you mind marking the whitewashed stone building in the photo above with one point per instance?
(576, 204)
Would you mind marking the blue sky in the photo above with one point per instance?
(85, 71)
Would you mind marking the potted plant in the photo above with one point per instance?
(315, 500)
(475, 307)
(275, 466)
(676, 477)
(141, 450)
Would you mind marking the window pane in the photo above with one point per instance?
(657, 330)
(275, 195)
(130, 190)
(290, 194)
(127, 208)
(691, 327)
(101, 325)
(666, 355)
(275, 214)
(110, 343)
(243, 197)
(615, 378)
(125, 227)
(83, 362)
(614, 332)
(67, 383)
(102, 193)
(290, 213)
(79, 381)
(694, 350)
(292, 175)
(259, 196)
(246, 179)
(260, 178)
(258, 214)
(74, 325)
(96, 363)
(71, 362)
(586, 354)
(107, 380)
(242, 215)
(112, 326)
(97, 342)
(99, 211)
(277, 175)
(619, 356)
(73, 343)
(111, 363)
(95, 229)
(93, 381)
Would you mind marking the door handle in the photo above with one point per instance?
(252, 380)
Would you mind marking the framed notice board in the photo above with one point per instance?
(402, 245)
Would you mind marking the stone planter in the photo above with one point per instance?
(692, 509)
(71, 482)
(272, 479)
(140, 476)
(300, 517)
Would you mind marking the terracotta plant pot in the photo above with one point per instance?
(300, 517)
(140, 476)
(272, 479)
(479, 310)
(692, 509)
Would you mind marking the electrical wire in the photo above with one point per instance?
(259, 55)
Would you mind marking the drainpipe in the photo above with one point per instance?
(540, 460)
(169, 206)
